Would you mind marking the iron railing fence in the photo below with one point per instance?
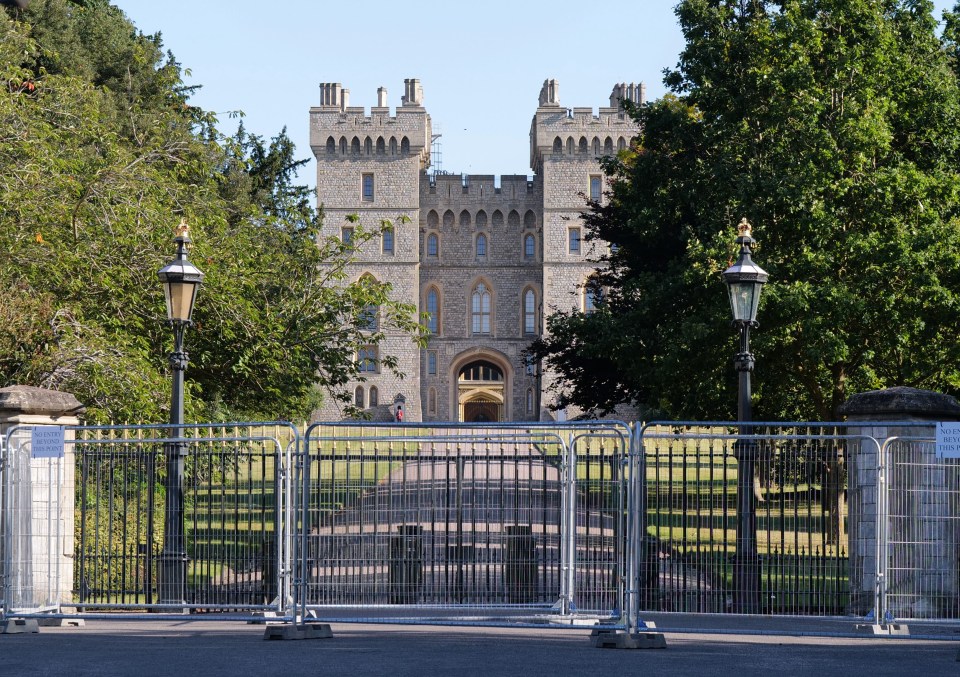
(235, 515)
(519, 516)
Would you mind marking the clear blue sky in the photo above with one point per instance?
(481, 64)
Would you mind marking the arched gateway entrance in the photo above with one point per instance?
(480, 392)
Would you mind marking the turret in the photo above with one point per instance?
(369, 164)
(580, 133)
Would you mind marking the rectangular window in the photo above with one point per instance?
(574, 240)
(368, 360)
(529, 246)
(529, 312)
(432, 362)
(481, 311)
(370, 318)
(592, 297)
(433, 311)
(346, 235)
(367, 183)
(596, 187)
(388, 241)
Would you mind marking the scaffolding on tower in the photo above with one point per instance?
(436, 153)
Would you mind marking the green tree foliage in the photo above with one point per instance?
(832, 126)
(101, 155)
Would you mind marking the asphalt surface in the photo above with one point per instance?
(212, 648)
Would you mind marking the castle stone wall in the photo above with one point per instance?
(480, 227)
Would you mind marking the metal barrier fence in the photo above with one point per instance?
(830, 522)
(235, 520)
(920, 545)
(32, 563)
(770, 506)
(498, 522)
(496, 518)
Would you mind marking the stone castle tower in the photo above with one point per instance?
(485, 261)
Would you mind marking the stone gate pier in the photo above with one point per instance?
(37, 509)
(918, 538)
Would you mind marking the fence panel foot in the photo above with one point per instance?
(619, 639)
(883, 629)
(19, 626)
(303, 631)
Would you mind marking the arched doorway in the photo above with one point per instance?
(480, 390)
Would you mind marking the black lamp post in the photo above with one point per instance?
(181, 280)
(744, 281)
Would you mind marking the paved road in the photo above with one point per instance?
(145, 648)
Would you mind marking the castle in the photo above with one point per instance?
(485, 261)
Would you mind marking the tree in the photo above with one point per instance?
(282, 325)
(831, 126)
(102, 155)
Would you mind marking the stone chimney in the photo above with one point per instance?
(550, 93)
(413, 92)
(331, 95)
(633, 92)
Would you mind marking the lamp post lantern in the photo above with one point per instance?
(181, 280)
(744, 281)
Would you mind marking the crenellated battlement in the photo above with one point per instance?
(573, 133)
(460, 187)
(634, 92)
(335, 97)
(338, 129)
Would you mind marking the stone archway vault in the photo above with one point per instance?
(481, 392)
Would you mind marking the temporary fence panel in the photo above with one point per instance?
(446, 521)
(742, 523)
(235, 520)
(597, 513)
(457, 517)
(36, 519)
(920, 540)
